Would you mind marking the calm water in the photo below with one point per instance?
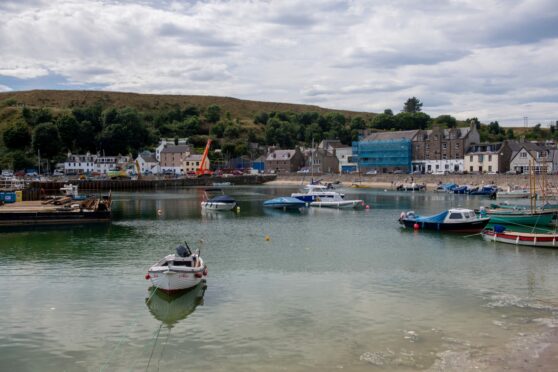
(329, 290)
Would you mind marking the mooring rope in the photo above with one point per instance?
(133, 323)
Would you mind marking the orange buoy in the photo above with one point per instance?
(416, 226)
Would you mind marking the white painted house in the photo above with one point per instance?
(79, 164)
(105, 163)
(147, 163)
(525, 154)
(485, 158)
(165, 142)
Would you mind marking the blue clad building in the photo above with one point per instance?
(385, 151)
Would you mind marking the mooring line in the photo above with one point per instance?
(119, 344)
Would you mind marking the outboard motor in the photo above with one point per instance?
(183, 251)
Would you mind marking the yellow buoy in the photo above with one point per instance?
(267, 238)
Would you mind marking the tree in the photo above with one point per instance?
(36, 116)
(474, 121)
(232, 131)
(447, 120)
(213, 114)
(510, 134)
(383, 121)
(46, 140)
(494, 127)
(388, 112)
(261, 118)
(412, 105)
(69, 130)
(217, 130)
(86, 141)
(17, 136)
(358, 123)
(189, 126)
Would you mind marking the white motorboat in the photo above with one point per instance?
(312, 192)
(218, 203)
(335, 200)
(178, 271)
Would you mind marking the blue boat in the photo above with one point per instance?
(284, 202)
(488, 190)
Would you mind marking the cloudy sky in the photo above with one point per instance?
(496, 60)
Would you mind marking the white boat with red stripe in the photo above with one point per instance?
(549, 240)
(179, 271)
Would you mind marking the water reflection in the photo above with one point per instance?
(170, 308)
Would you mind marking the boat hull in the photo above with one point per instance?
(343, 204)
(217, 206)
(510, 237)
(171, 280)
(54, 218)
(470, 226)
(543, 219)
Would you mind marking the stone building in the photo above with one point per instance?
(443, 150)
(284, 161)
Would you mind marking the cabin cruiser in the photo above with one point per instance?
(455, 219)
(218, 203)
(312, 192)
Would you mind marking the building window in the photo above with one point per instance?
(471, 168)
(481, 158)
(457, 146)
(489, 157)
(490, 168)
(444, 156)
(444, 145)
(427, 147)
(523, 155)
(471, 158)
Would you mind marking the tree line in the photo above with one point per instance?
(127, 130)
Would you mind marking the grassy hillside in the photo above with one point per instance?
(238, 108)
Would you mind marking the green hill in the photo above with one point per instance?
(238, 108)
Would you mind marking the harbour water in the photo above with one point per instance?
(329, 290)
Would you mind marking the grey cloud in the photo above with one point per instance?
(195, 37)
(293, 20)
(392, 59)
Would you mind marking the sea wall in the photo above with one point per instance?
(431, 181)
(36, 189)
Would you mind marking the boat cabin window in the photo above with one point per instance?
(472, 215)
(182, 263)
(455, 216)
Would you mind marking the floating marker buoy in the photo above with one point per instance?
(416, 226)
(237, 209)
(159, 212)
(385, 190)
(267, 238)
(367, 206)
(147, 276)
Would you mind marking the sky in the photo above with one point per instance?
(494, 60)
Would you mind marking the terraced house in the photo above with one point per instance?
(443, 150)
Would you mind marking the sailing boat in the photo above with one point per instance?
(499, 233)
(523, 216)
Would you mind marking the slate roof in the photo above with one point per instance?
(194, 157)
(280, 155)
(484, 148)
(392, 135)
(148, 157)
(177, 148)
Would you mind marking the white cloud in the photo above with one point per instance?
(491, 59)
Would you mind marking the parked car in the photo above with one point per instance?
(399, 171)
(303, 171)
(7, 173)
(57, 173)
(371, 172)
